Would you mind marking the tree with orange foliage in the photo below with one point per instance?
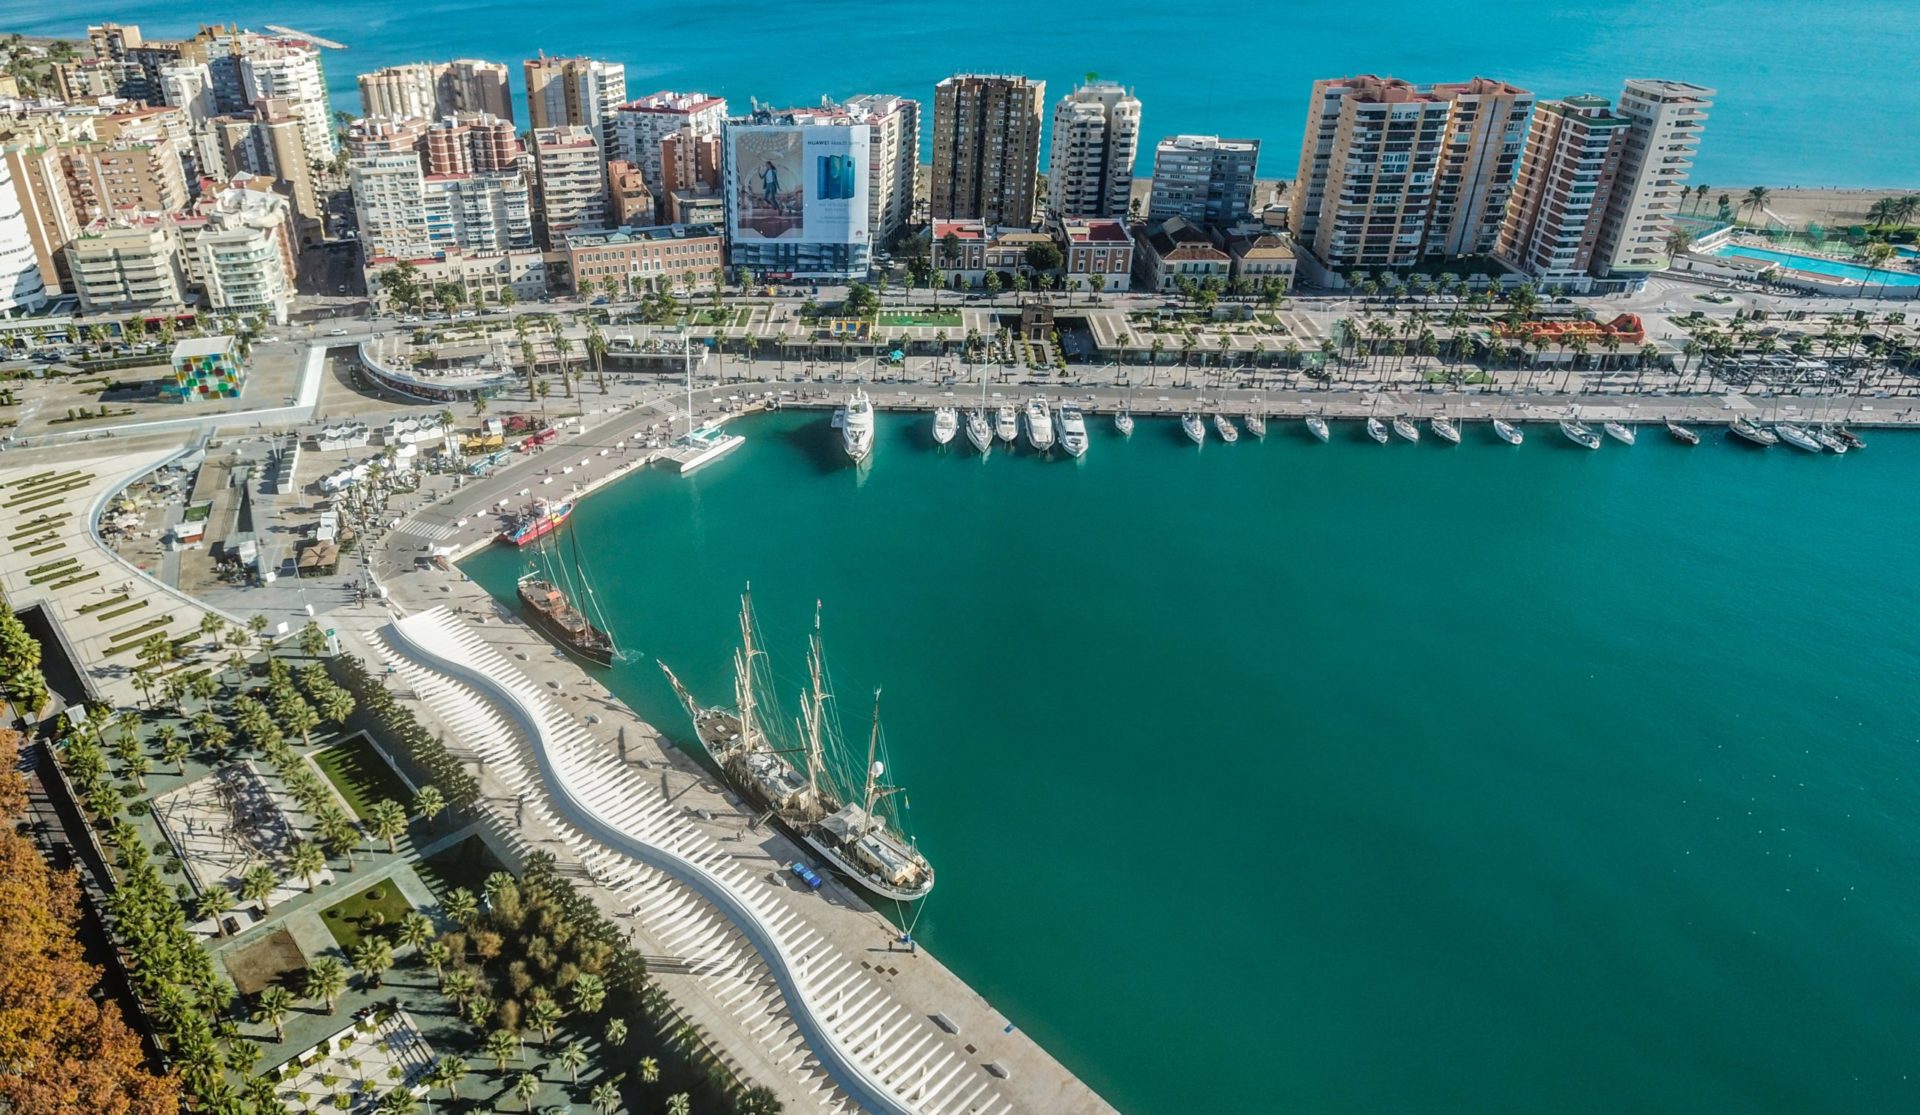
(60, 1052)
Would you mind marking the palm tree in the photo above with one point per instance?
(502, 1046)
(429, 802)
(339, 835)
(258, 885)
(400, 1101)
(649, 1070)
(325, 981)
(544, 1016)
(307, 860)
(458, 987)
(416, 929)
(371, 957)
(448, 1073)
(275, 1004)
(387, 820)
(679, 1104)
(1876, 255)
(604, 1097)
(571, 1057)
(462, 906)
(209, 904)
(616, 1032)
(1756, 199)
(589, 993)
(439, 956)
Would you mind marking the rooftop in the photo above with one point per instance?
(202, 346)
(602, 238)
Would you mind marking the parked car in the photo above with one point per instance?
(336, 331)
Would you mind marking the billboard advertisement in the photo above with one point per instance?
(798, 182)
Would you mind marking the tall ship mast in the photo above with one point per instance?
(559, 598)
(805, 785)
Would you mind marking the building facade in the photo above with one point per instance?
(399, 92)
(1560, 195)
(640, 126)
(1666, 121)
(290, 72)
(1203, 180)
(437, 89)
(270, 142)
(893, 147)
(640, 258)
(22, 285)
(629, 202)
(128, 264)
(404, 213)
(796, 195)
(574, 92)
(1092, 247)
(1173, 250)
(243, 253)
(1096, 137)
(986, 148)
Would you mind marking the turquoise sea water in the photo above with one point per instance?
(1820, 266)
(1234, 67)
(1296, 777)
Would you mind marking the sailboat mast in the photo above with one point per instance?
(686, 357)
(816, 706)
(873, 746)
(743, 671)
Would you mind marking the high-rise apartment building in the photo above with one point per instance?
(640, 126)
(1392, 173)
(404, 213)
(22, 286)
(893, 149)
(399, 91)
(1560, 195)
(271, 142)
(690, 162)
(1203, 180)
(1666, 120)
(242, 254)
(385, 135)
(131, 263)
(796, 194)
(289, 71)
(570, 183)
(36, 174)
(986, 148)
(1096, 137)
(629, 202)
(472, 143)
(437, 89)
(580, 92)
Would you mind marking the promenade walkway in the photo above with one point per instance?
(824, 1018)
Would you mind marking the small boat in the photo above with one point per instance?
(1445, 428)
(1317, 426)
(539, 519)
(1507, 432)
(1040, 423)
(1006, 424)
(1752, 431)
(1405, 428)
(946, 423)
(1579, 434)
(1619, 432)
(1682, 434)
(1073, 431)
(1196, 430)
(978, 432)
(1257, 425)
(1123, 422)
(1847, 437)
(1377, 430)
(1229, 433)
(559, 618)
(1826, 438)
(1797, 437)
(856, 435)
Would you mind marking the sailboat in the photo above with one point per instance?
(856, 832)
(1797, 437)
(559, 613)
(1681, 433)
(1445, 428)
(1578, 434)
(1619, 431)
(1195, 429)
(1006, 423)
(1317, 426)
(1749, 430)
(946, 423)
(978, 431)
(1405, 428)
(1256, 420)
(1123, 418)
(1229, 433)
(1376, 429)
(1828, 438)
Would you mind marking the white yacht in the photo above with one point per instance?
(1006, 423)
(1257, 425)
(1828, 439)
(856, 434)
(946, 423)
(1619, 431)
(1317, 426)
(1445, 428)
(1123, 421)
(1405, 428)
(1040, 423)
(1797, 437)
(1229, 433)
(1507, 431)
(1196, 429)
(1579, 434)
(1377, 430)
(1073, 430)
(978, 432)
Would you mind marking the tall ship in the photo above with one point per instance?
(558, 597)
(539, 519)
(807, 780)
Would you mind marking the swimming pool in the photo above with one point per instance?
(1814, 265)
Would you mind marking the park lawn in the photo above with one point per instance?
(362, 775)
(931, 318)
(353, 917)
(466, 864)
